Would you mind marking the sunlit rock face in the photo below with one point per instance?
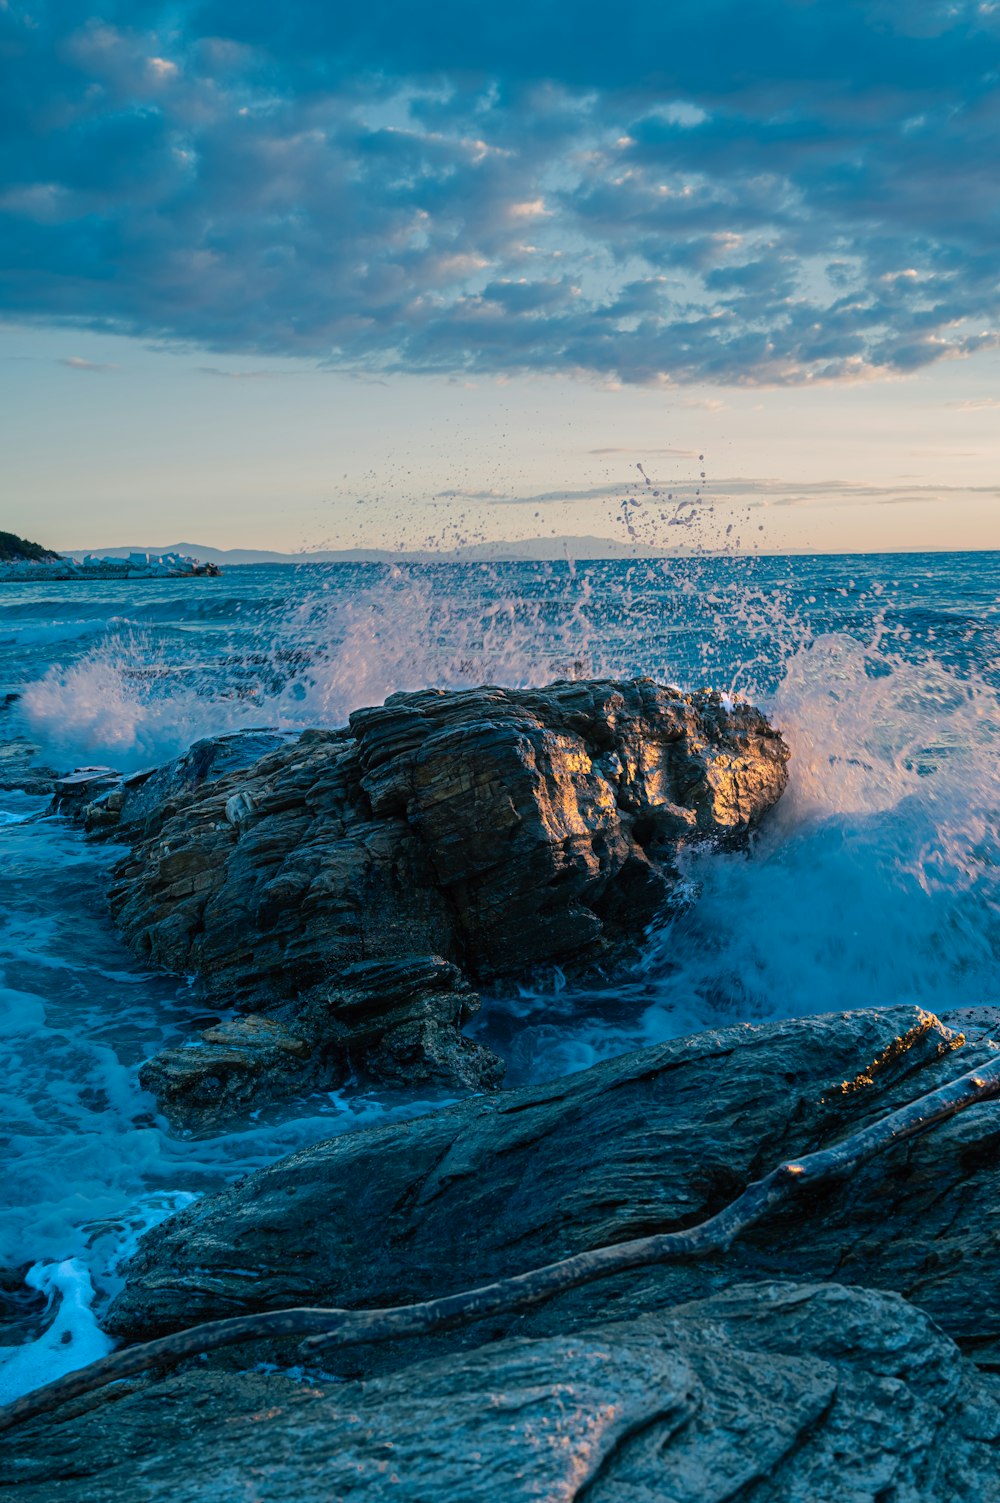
(495, 831)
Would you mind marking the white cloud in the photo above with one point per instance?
(76, 363)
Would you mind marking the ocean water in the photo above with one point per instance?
(875, 881)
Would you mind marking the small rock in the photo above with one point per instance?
(397, 1022)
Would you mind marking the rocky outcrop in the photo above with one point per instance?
(770, 1392)
(493, 830)
(131, 806)
(397, 1021)
(653, 1141)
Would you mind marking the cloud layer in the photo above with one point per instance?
(785, 192)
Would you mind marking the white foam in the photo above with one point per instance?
(72, 1340)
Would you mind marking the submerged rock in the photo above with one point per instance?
(770, 1391)
(21, 767)
(653, 1141)
(492, 830)
(396, 1021)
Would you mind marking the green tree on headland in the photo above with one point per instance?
(13, 548)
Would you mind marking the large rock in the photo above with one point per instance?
(771, 1392)
(652, 1141)
(491, 830)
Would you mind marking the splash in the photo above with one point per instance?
(116, 707)
(877, 879)
(334, 643)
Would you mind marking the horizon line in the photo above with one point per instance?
(319, 556)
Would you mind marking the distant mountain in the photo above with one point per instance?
(528, 548)
(18, 550)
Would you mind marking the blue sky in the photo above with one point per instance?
(259, 264)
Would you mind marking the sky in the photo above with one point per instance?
(699, 274)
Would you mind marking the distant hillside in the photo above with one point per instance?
(14, 550)
(529, 548)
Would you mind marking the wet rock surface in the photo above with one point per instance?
(398, 1022)
(767, 1392)
(131, 806)
(22, 767)
(652, 1141)
(492, 830)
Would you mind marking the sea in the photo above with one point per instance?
(875, 881)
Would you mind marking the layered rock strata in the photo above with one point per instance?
(129, 806)
(451, 838)
(653, 1141)
(768, 1392)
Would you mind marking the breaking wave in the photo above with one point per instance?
(875, 881)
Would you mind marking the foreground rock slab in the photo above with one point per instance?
(653, 1141)
(494, 831)
(767, 1392)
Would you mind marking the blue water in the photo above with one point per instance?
(876, 880)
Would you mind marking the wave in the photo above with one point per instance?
(51, 633)
(141, 693)
(876, 880)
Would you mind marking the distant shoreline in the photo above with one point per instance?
(69, 571)
(237, 558)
